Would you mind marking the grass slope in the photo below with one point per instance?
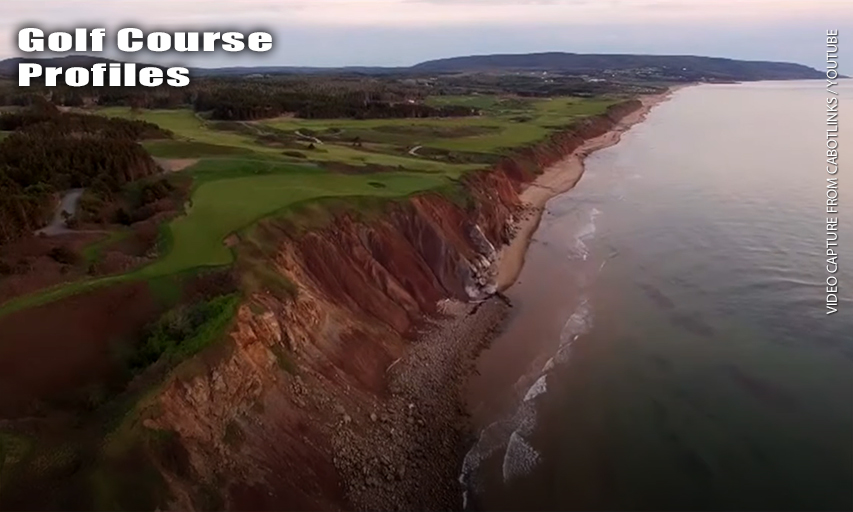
(222, 207)
(505, 124)
(248, 171)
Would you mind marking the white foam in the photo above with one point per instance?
(489, 442)
(510, 435)
(538, 387)
(504, 435)
(563, 354)
(580, 248)
(492, 439)
(520, 458)
(579, 323)
(525, 419)
(589, 229)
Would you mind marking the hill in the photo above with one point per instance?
(294, 70)
(9, 67)
(689, 66)
(643, 67)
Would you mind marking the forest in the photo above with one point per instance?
(41, 151)
(339, 96)
(235, 103)
(240, 99)
(49, 151)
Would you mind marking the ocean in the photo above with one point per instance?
(669, 348)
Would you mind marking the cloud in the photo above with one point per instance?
(320, 32)
(410, 12)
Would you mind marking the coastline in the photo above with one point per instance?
(559, 179)
(407, 452)
(619, 330)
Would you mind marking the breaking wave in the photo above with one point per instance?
(580, 249)
(520, 457)
(509, 438)
(539, 387)
(510, 435)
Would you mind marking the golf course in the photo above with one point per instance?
(243, 172)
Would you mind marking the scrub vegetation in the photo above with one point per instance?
(207, 180)
(246, 171)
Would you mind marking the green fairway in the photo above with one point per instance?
(222, 207)
(94, 252)
(485, 102)
(188, 126)
(250, 170)
(198, 138)
(193, 149)
(504, 125)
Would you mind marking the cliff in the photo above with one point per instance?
(273, 419)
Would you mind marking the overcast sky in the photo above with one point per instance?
(404, 32)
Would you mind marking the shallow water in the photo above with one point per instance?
(670, 347)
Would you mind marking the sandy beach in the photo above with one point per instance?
(408, 454)
(559, 179)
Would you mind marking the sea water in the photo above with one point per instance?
(669, 346)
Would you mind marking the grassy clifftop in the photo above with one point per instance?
(245, 171)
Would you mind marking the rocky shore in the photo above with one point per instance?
(352, 394)
(405, 454)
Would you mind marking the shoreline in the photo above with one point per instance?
(559, 179)
(407, 453)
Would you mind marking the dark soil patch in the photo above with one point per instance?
(70, 349)
(26, 265)
(142, 243)
(210, 284)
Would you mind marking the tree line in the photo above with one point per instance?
(50, 151)
(245, 99)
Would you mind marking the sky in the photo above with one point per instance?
(404, 32)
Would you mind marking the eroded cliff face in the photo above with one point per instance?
(496, 190)
(257, 418)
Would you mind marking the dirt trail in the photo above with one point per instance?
(557, 180)
(414, 150)
(175, 164)
(315, 140)
(67, 206)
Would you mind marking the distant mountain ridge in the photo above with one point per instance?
(579, 63)
(9, 67)
(685, 67)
